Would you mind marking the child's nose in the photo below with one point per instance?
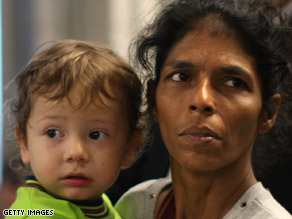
(76, 151)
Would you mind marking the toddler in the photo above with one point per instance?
(77, 111)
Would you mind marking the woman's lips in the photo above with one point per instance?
(77, 180)
(198, 136)
(202, 131)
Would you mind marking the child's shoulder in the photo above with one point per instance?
(113, 214)
(35, 202)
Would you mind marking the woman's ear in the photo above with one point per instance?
(22, 141)
(151, 88)
(268, 118)
(134, 142)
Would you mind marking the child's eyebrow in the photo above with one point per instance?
(51, 118)
(103, 123)
(55, 117)
(96, 121)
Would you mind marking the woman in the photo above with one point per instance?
(217, 65)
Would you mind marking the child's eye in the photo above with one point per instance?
(54, 133)
(178, 77)
(97, 135)
(234, 82)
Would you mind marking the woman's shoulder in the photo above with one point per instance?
(140, 200)
(258, 202)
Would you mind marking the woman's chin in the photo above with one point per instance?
(198, 163)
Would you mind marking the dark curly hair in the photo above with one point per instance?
(264, 32)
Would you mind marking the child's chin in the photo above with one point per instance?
(83, 198)
(79, 197)
(80, 194)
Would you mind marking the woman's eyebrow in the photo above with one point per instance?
(235, 70)
(180, 64)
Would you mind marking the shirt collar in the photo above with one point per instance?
(92, 209)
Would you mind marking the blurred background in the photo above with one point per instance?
(27, 24)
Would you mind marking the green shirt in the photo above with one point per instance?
(34, 201)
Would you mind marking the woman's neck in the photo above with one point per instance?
(209, 194)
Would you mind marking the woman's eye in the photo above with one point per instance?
(97, 135)
(234, 82)
(179, 77)
(53, 133)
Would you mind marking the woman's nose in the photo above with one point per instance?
(77, 151)
(202, 97)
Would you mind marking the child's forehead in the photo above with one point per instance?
(77, 101)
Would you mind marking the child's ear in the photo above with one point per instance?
(22, 141)
(134, 142)
(267, 119)
(151, 101)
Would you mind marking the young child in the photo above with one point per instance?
(77, 111)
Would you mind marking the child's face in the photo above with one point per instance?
(77, 153)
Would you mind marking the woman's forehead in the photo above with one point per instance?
(205, 43)
(211, 26)
(214, 23)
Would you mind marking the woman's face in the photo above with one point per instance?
(208, 102)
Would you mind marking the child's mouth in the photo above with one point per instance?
(75, 177)
(77, 180)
